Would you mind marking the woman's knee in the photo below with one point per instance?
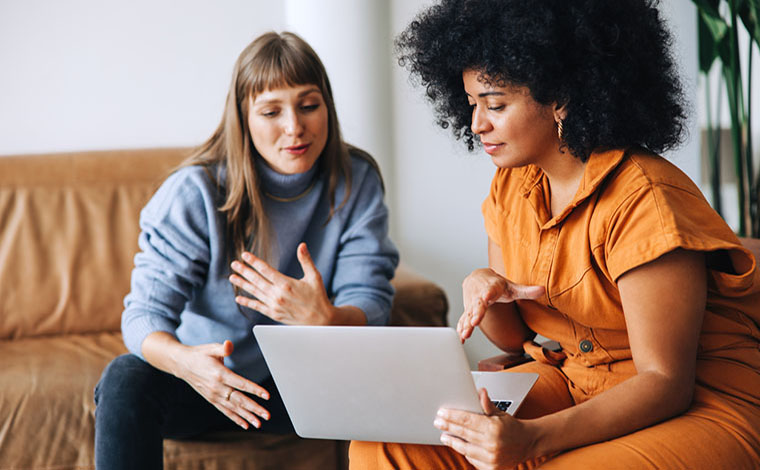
(363, 454)
(550, 393)
(127, 379)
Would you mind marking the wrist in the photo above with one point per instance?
(330, 316)
(175, 355)
(540, 437)
(346, 315)
(164, 352)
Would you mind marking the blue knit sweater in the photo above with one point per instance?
(180, 280)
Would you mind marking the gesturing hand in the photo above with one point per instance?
(282, 298)
(203, 368)
(492, 441)
(484, 287)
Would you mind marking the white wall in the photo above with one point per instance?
(356, 54)
(96, 74)
(682, 18)
(440, 187)
(90, 74)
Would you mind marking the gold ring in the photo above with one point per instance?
(229, 393)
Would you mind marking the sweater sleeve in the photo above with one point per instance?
(173, 257)
(366, 259)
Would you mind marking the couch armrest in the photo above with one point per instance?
(418, 301)
(548, 348)
(501, 362)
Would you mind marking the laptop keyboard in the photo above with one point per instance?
(502, 404)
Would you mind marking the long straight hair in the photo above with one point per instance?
(271, 61)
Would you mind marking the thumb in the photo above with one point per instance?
(223, 350)
(485, 402)
(519, 291)
(307, 264)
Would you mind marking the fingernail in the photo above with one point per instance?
(441, 413)
(235, 265)
(438, 423)
(246, 256)
(445, 439)
(265, 396)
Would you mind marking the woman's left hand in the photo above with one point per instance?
(492, 441)
(282, 298)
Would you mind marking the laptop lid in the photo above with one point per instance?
(377, 383)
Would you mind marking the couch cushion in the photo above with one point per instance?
(47, 416)
(46, 404)
(69, 234)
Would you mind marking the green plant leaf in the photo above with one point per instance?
(716, 25)
(711, 31)
(719, 38)
(749, 12)
(709, 7)
(708, 50)
(714, 40)
(723, 46)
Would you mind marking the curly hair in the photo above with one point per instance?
(609, 62)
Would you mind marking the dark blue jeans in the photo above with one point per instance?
(138, 406)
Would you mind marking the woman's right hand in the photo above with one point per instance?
(202, 367)
(483, 288)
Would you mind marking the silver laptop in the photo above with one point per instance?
(378, 383)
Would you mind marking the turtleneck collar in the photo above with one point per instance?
(279, 185)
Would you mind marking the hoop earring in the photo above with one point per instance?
(559, 129)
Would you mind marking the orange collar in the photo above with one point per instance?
(598, 167)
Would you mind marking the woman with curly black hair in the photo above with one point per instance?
(594, 241)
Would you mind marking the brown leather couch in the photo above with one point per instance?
(68, 234)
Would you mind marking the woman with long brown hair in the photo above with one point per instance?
(273, 220)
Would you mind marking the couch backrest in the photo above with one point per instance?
(68, 235)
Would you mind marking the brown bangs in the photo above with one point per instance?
(280, 64)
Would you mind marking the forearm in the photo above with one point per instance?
(663, 331)
(643, 400)
(504, 327)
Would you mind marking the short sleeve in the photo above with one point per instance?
(657, 218)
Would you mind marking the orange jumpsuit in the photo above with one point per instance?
(631, 208)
